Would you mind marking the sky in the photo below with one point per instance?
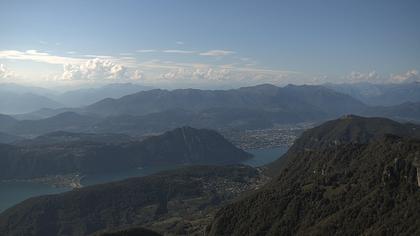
(208, 44)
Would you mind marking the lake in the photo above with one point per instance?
(265, 156)
(12, 193)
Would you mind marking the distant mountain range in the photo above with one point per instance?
(83, 153)
(408, 111)
(302, 101)
(83, 97)
(347, 172)
(380, 94)
(63, 137)
(66, 121)
(155, 111)
(152, 111)
(15, 103)
(18, 99)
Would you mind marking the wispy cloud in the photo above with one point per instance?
(178, 51)
(146, 50)
(211, 53)
(34, 55)
(179, 42)
(217, 53)
(98, 56)
(244, 58)
(37, 56)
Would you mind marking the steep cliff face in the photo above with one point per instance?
(364, 180)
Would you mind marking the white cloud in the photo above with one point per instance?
(197, 75)
(356, 77)
(5, 73)
(98, 56)
(179, 42)
(409, 76)
(217, 53)
(34, 55)
(204, 75)
(374, 77)
(178, 51)
(137, 75)
(94, 69)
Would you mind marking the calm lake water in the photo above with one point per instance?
(12, 193)
(265, 156)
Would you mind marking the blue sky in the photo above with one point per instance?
(208, 43)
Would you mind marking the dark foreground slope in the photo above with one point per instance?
(129, 232)
(182, 146)
(179, 201)
(359, 187)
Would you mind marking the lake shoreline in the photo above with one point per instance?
(16, 190)
(72, 181)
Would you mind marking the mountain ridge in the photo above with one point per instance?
(328, 187)
(181, 146)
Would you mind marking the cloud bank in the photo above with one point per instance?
(409, 76)
(356, 77)
(94, 69)
(237, 70)
(373, 77)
